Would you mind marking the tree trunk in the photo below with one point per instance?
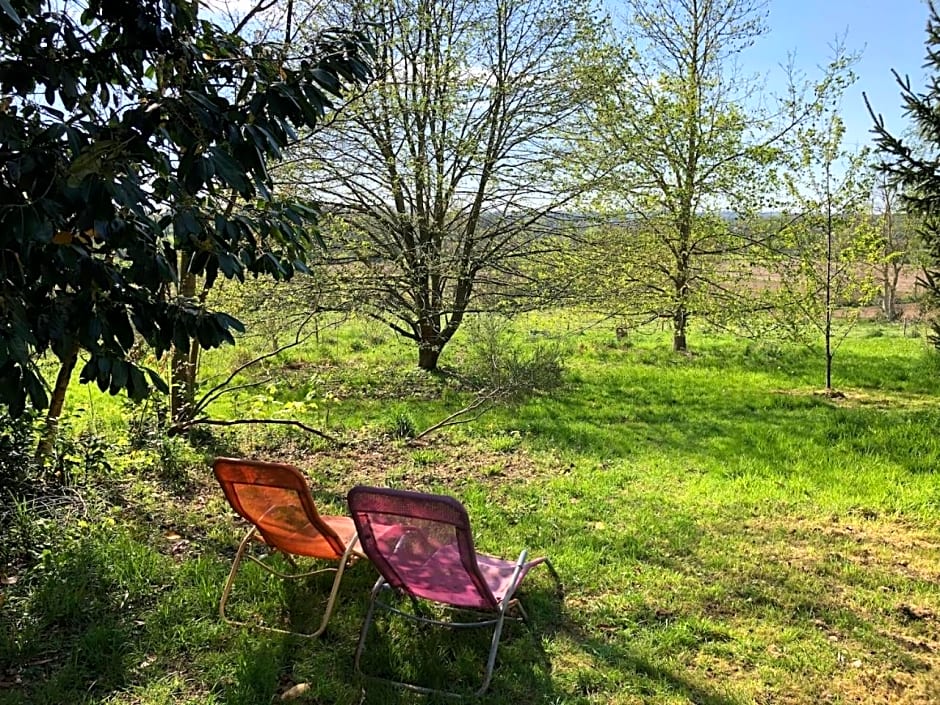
(680, 320)
(889, 300)
(427, 356)
(185, 361)
(888, 305)
(431, 341)
(56, 403)
(827, 334)
(830, 260)
(681, 279)
(183, 386)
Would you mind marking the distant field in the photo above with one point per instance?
(907, 291)
(726, 534)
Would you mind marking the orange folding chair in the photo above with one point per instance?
(276, 500)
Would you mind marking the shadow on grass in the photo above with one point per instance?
(827, 608)
(454, 659)
(443, 658)
(608, 666)
(702, 421)
(524, 673)
(74, 634)
(86, 630)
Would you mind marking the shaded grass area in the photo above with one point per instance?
(725, 535)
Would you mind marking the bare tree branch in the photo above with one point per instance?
(460, 416)
(186, 425)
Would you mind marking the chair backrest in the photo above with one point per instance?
(276, 498)
(421, 544)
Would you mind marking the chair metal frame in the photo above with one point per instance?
(503, 607)
(349, 555)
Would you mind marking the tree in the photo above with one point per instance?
(278, 27)
(898, 243)
(134, 137)
(689, 144)
(912, 165)
(442, 181)
(829, 242)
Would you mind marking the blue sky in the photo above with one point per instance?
(889, 34)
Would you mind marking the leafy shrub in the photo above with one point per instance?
(24, 482)
(36, 507)
(17, 442)
(498, 359)
(83, 456)
(27, 530)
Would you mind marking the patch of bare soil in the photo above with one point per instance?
(186, 519)
(857, 398)
(420, 466)
(898, 662)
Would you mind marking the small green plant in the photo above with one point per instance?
(402, 425)
(78, 456)
(504, 442)
(23, 531)
(493, 470)
(427, 456)
(32, 525)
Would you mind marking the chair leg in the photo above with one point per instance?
(364, 632)
(227, 590)
(331, 601)
(494, 643)
(491, 659)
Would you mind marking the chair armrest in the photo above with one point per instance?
(514, 580)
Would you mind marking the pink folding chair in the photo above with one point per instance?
(422, 546)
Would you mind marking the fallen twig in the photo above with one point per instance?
(458, 416)
(223, 388)
(182, 427)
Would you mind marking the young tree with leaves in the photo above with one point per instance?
(826, 250)
(689, 144)
(129, 131)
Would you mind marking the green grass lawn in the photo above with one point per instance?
(725, 533)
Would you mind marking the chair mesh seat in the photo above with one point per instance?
(424, 548)
(283, 523)
(441, 576)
